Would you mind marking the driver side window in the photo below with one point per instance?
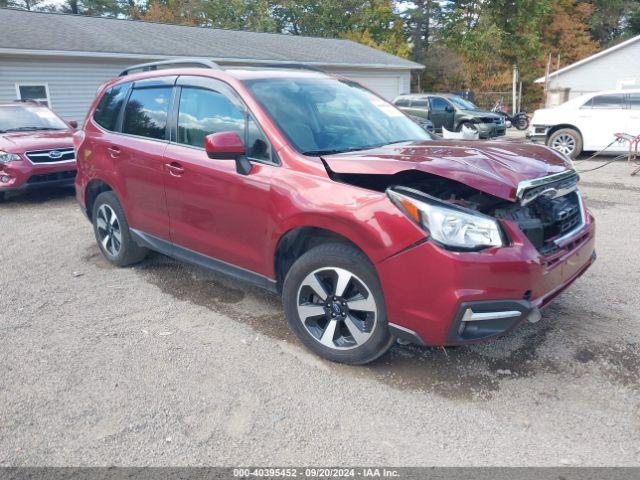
(439, 104)
(203, 112)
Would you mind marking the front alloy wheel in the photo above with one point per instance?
(334, 304)
(336, 308)
(564, 143)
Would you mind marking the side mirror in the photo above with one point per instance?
(448, 108)
(73, 124)
(227, 146)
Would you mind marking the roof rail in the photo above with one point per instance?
(296, 66)
(145, 67)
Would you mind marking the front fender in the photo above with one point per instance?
(366, 218)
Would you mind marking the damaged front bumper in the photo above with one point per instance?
(440, 297)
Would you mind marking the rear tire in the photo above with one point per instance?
(567, 141)
(112, 232)
(334, 304)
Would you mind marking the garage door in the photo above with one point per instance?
(387, 87)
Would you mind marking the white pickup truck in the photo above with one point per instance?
(588, 122)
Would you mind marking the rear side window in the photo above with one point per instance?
(146, 112)
(424, 103)
(608, 102)
(634, 101)
(402, 102)
(106, 114)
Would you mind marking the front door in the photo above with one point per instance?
(214, 210)
(441, 113)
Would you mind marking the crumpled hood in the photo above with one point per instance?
(19, 142)
(491, 167)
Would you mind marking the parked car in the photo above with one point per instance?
(315, 188)
(36, 148)
(452, 112)
(588, 122)
(425, 123)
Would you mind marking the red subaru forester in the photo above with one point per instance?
(314, 187)
(36, 148)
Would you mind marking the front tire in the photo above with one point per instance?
(567, 141)
(112, 232)
(522, 123)
(334, 304)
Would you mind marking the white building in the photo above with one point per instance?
(615, 68)
(63, 59)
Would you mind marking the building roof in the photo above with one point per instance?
(77, 35)
(591, 58)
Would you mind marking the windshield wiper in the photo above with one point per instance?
(31, 129)
(354, 149)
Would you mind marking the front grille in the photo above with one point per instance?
(52, 155)
(52, 177)
(547, 213)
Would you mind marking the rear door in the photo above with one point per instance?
(600, 119)
(214, 210)
(138, 154)
(441, 113)
(420, 107)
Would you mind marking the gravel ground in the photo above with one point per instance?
(167, 364)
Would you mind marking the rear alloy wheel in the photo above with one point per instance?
(334, 304)
(567, 141)
(112, 232)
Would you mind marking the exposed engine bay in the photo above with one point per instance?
(544, 213)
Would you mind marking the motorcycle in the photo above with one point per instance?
(520, 120)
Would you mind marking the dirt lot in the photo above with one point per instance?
(167, 364)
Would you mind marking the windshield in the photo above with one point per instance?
(463, 104)
(325, 115)
(19, 118)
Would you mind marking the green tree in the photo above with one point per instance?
(251, 15)
(613, 20)
(99, 8)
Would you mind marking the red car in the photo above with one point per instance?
(314, 187)
(36, 148)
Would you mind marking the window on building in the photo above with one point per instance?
(146, 112)
(32, 91)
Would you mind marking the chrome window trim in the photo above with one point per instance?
(537, 182)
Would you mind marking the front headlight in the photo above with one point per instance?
(447, 224)
(8, 157)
